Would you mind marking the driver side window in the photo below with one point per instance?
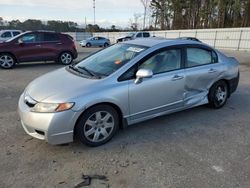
(163, 61)
(31, 38)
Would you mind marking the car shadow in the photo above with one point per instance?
(38, 65)
(160, 129)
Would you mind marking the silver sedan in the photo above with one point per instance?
(124, 84)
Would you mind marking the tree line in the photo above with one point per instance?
(159, 15)
(32, 24)
(52, 25)
(196, 14)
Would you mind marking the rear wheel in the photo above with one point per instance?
(97, 125)
(218, 94)
(7, 61)
(66, 58)
(106, 45)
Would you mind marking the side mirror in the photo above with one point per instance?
(143, 73)
(20, 41)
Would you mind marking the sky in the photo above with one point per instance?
(108, 12)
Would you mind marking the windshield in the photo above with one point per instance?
(109, 60)
(131, 34)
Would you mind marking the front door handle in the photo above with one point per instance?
(177, 77)
(38, 45)
(212, 70)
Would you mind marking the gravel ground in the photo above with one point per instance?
(200, 147)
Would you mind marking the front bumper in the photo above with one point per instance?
(55, 128)
(82, 44)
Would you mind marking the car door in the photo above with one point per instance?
(95, 41)
(202, 70)
(28, 47)
(50, 46)
(100, 41)
(164, 91)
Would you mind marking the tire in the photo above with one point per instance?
(65, 58)
(218, 94)
(105, 45)
(7, 61)
(88, 44)
(97, 125)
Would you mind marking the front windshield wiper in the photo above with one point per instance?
(75, 69)
(91, 73)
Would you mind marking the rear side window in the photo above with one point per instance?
(146, 35)
(6, 35)
(69, 37)
(15, 33)
(50, 37)
(198, 56)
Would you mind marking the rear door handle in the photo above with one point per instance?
(59, 43)
(212, 70)
(177, 77)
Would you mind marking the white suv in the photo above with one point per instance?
(7, 34)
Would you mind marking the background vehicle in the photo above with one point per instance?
(124, 84)
(95, 41)
(134, 35)
(37, 46)
(189, 38)
(7, 34)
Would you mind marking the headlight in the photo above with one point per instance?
(52, 107)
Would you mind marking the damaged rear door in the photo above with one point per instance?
(202, 69)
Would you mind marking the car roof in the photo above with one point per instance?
(41, 31)
(152, 41)
(10, 30)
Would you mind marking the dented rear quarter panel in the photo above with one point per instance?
(200, 79)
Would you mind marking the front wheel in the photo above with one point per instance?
(97, 125)
(218, 94)
(7, 61)
(66, 58)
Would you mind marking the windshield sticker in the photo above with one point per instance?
(135, 49)
(117, 62)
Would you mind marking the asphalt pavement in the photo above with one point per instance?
(198, 148)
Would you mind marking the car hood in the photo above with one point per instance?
(59, 86)
(123, 37)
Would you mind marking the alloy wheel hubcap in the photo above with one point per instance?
(66, 58)
(99, 126)
(221, 94)
(6, 61)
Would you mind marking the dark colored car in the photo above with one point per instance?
(189, 38)
(37, 46)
